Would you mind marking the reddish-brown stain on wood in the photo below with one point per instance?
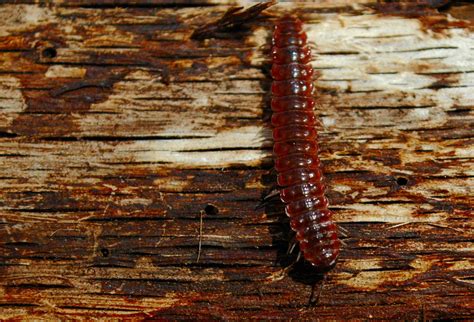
(433, 15)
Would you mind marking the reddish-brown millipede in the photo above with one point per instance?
(296, 147)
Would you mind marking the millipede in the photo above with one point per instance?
(298, 166)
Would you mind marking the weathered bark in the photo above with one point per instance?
(124, 144)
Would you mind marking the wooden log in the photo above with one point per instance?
(125, 145)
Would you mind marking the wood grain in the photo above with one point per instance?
(119, 133)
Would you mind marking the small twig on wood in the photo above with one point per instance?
(442, 226)
(399, 225)
(424, 223)
(460, 282)
(233, 17)
(200, 236)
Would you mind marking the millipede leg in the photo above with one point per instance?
(299, 257)
(261, 205)
(314, 298)
(272, 194)
(344, 232)
(267, 199)
(291, 245)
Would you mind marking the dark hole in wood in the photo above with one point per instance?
(49, 52)
(211, 210)
(105, 252)
(401, 181)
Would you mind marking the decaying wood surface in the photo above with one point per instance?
(122, 139)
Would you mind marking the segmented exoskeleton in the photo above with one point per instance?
(296, 147)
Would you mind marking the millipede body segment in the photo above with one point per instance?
(296, 147)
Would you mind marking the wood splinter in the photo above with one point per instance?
(232, 18)
(200, 236)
